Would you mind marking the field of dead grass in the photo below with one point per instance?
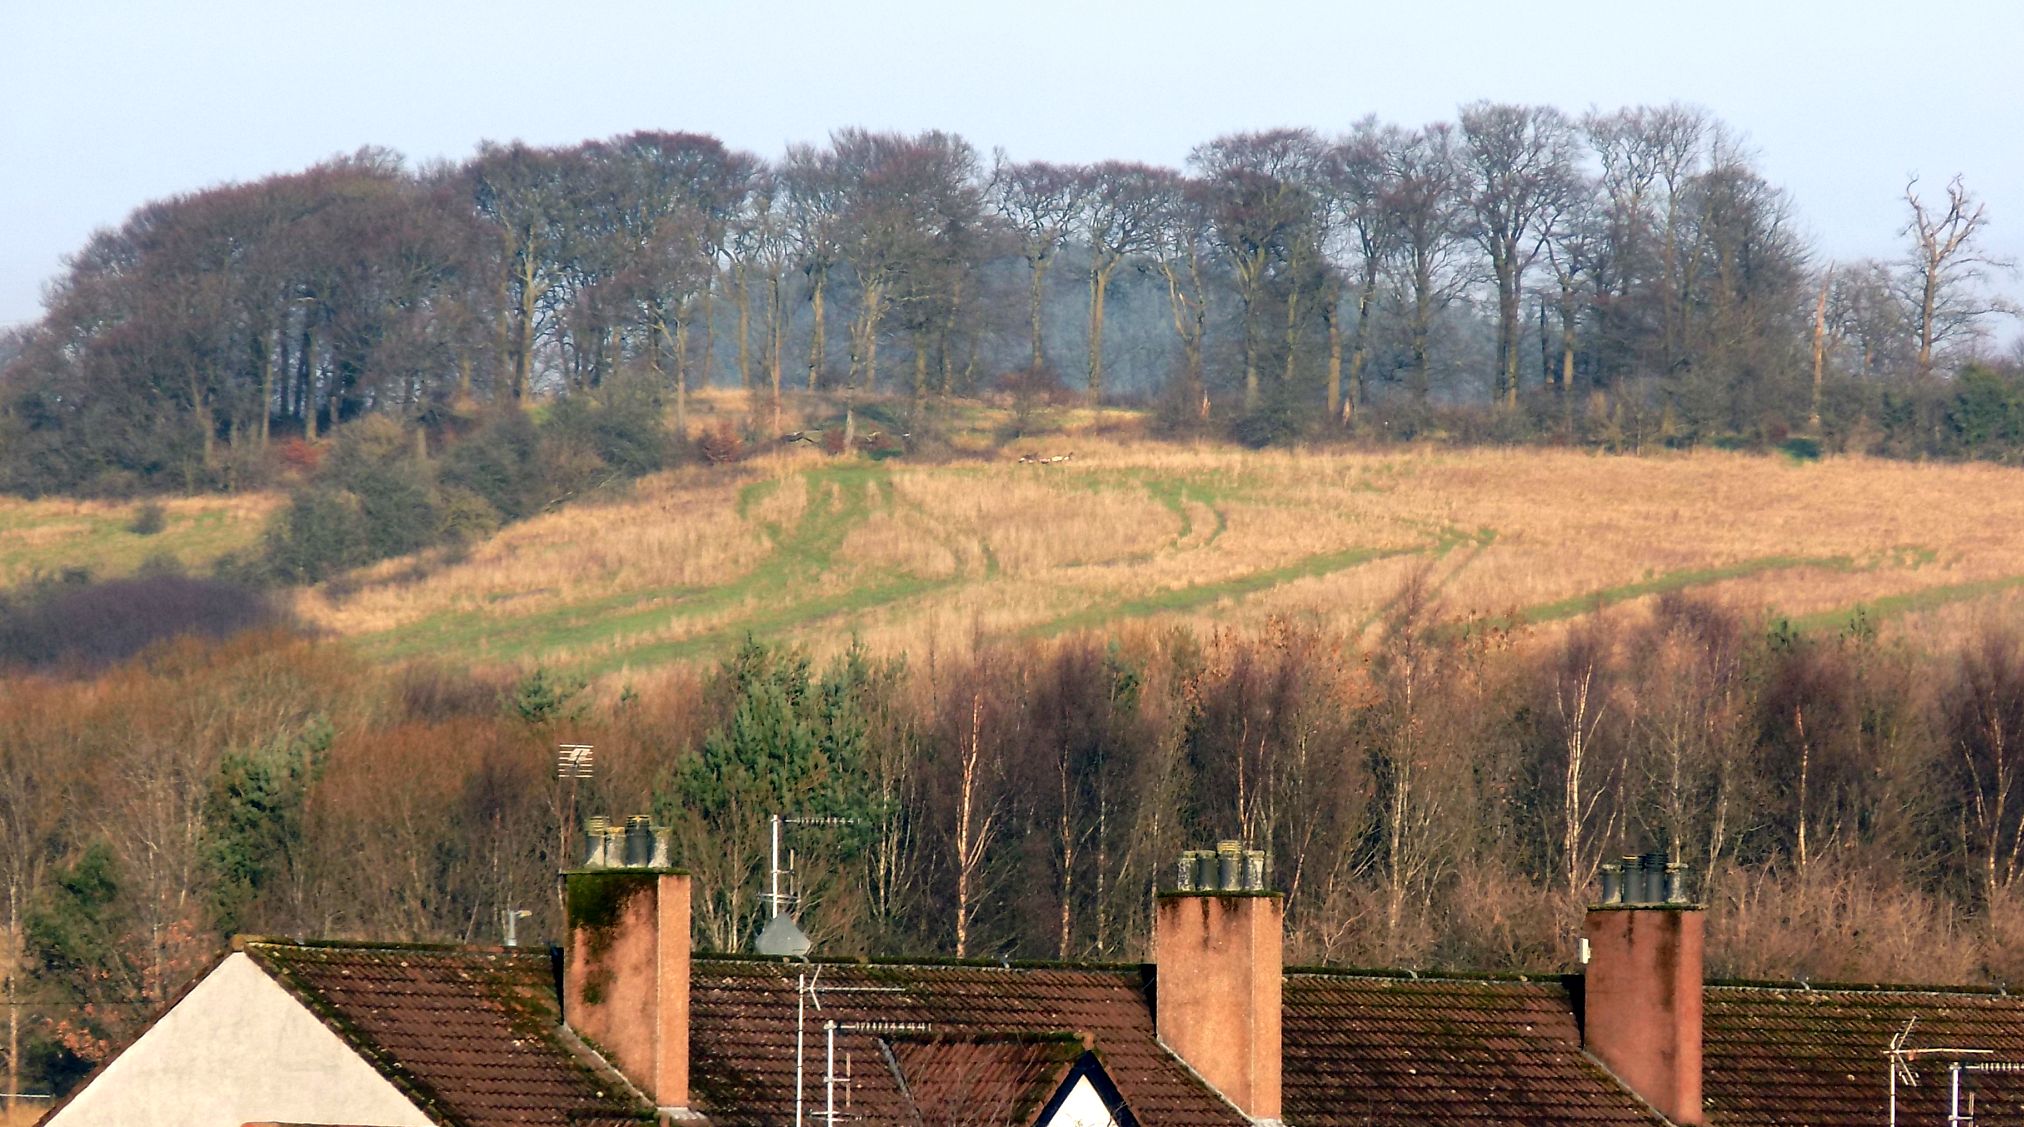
(47, 537)
(934, 557)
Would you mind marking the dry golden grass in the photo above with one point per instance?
(48, 536)
(936, 557)
(926, 557)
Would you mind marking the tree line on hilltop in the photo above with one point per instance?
(1621, 278)
(1432, 796)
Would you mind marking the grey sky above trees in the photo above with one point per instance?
(112, 104)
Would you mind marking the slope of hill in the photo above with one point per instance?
(816, 550)
(107, 538)
(909, 555)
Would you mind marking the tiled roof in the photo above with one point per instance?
(993, 1078)
(469, 1033)
(1363, 1049)
(744, 1022)
(1817, 1056)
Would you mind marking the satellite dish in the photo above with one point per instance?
(781, 939)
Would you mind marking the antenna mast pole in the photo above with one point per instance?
(829, 1076)
(773, 868)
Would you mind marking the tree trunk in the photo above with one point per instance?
(707, 363)
(307, 363)
(1099, 284)
(1507, 336)
(1036, 299)
(817, 344)
(1359, 352)
(744, 300)
(1332, 314)
(681, 351)
(773, 341)
(1423, 315)
(523, 327)
(1066, 830)
(1292, 336)
(1819, 351)
(1250, 351)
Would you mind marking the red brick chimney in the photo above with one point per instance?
(1641, 996)
(1218, 948)
(625, 976)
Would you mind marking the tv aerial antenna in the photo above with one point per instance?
(1960, 1101)
(782, 937)
(573, 763)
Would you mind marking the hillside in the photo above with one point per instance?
(804, 547)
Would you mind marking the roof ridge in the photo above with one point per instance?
(242, 942)
(1804, 986)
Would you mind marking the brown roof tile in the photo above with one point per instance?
(1817, 1056)
(1362, 1049)
(469, 1033)
(968, 1018)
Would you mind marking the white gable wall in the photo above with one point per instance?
(1082, 1108)
(238, 1049)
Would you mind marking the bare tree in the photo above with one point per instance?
(1120, 219)
(1986, 720)
(1266, 213)
(1040, 201)
(1946, 273)
(976, 824)
(1423, 207)
(1354, 171)
(1521, 181)
(1180, 256)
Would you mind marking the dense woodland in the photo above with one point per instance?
(1432, 795)
(1621, 278)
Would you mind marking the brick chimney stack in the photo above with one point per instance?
(1641, 997)
(625, 977)
(1218, 948)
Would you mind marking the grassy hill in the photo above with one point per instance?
(934, 557)
(799, 546)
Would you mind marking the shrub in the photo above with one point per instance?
(91, 625)
(624, 431)
(320, 533)
(149, 519)
(500, 462)
(722, 444)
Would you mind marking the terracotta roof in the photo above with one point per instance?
(991, 1078)
(967, 1018)
(1365, 1049)
(469, 1033)
(1816, 1056)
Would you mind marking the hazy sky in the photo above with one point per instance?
(110, 103)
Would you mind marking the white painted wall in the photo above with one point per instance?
(238, 1049)
(1082, 1108)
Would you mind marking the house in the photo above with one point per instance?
(625, 1024)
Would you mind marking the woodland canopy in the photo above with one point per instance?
(1517, 273)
